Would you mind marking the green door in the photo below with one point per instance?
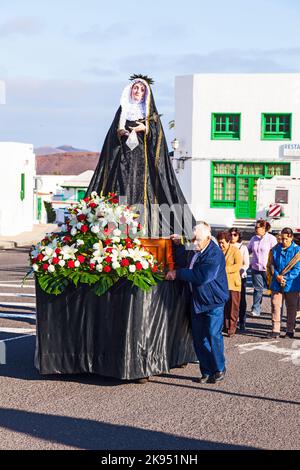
(80, 194)
(246, 198)
(39, 208)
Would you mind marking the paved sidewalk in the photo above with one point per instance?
(27, 238)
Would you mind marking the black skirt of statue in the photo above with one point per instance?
(125, 333)
(145, 176)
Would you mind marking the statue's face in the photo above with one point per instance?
(138, 91)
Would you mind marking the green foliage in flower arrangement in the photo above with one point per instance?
(98, 246)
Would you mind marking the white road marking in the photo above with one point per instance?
(17, 337)
(18, 315)
(292, 354)
(15, 286)
(17, 330)
(15, 294)
(14, 304)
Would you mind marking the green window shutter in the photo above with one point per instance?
(225, 126)
(22, 192)
(276, 126)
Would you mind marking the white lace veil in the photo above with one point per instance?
(132, 110)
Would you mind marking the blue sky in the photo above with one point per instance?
(65, 62)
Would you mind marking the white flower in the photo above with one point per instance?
(116, 265)
(145, 264)
(137, 241)
(124, 253)
(80, 242)
(94, 194)
(79, 225)
(35, 267)
(132, 268)
(99, 267)
(68, 252)
(103, 222)
(73, 231)
(95, 229)
(48, 251)
(116, 240)
(77, 264)
(62, 263)
(117, 232)
(51, 268)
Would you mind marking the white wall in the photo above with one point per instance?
(16, 216)
(198, 96)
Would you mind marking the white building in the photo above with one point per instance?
(233, 129)
(61, 191)
(17, 170)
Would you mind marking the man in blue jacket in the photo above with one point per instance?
(285, 286)
(206, 275)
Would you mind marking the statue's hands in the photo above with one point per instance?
(122, 132)
(139, 128)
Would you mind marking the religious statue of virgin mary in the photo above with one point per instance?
(135, 163)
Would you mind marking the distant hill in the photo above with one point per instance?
(69, 148)
(48, 150)
(66, 163)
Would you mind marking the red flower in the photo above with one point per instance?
(71, 264)
(67, 239)
(128, 240)
(57, 251)
(138, 266)
(92, 265)
(154, 269)
(107, 269)
(124, 262)
(81, 259)
(45, 266)
(108, 241)
(86, 199)
(108, 250)
(139, 227)
(107, 259)
(40, 257)
(55, 260)
(114, 200)
(128, 245)
(81, 217)
(84, 228)
(92, 205)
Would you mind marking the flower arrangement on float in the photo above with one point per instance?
(98, 246)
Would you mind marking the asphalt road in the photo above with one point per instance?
(256, 407)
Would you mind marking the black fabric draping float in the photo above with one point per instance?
(125, 333)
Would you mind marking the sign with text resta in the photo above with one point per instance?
(291, 150)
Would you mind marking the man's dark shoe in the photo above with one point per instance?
(289, 335)
(219, 376)
(242, 328)
(202, 380)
